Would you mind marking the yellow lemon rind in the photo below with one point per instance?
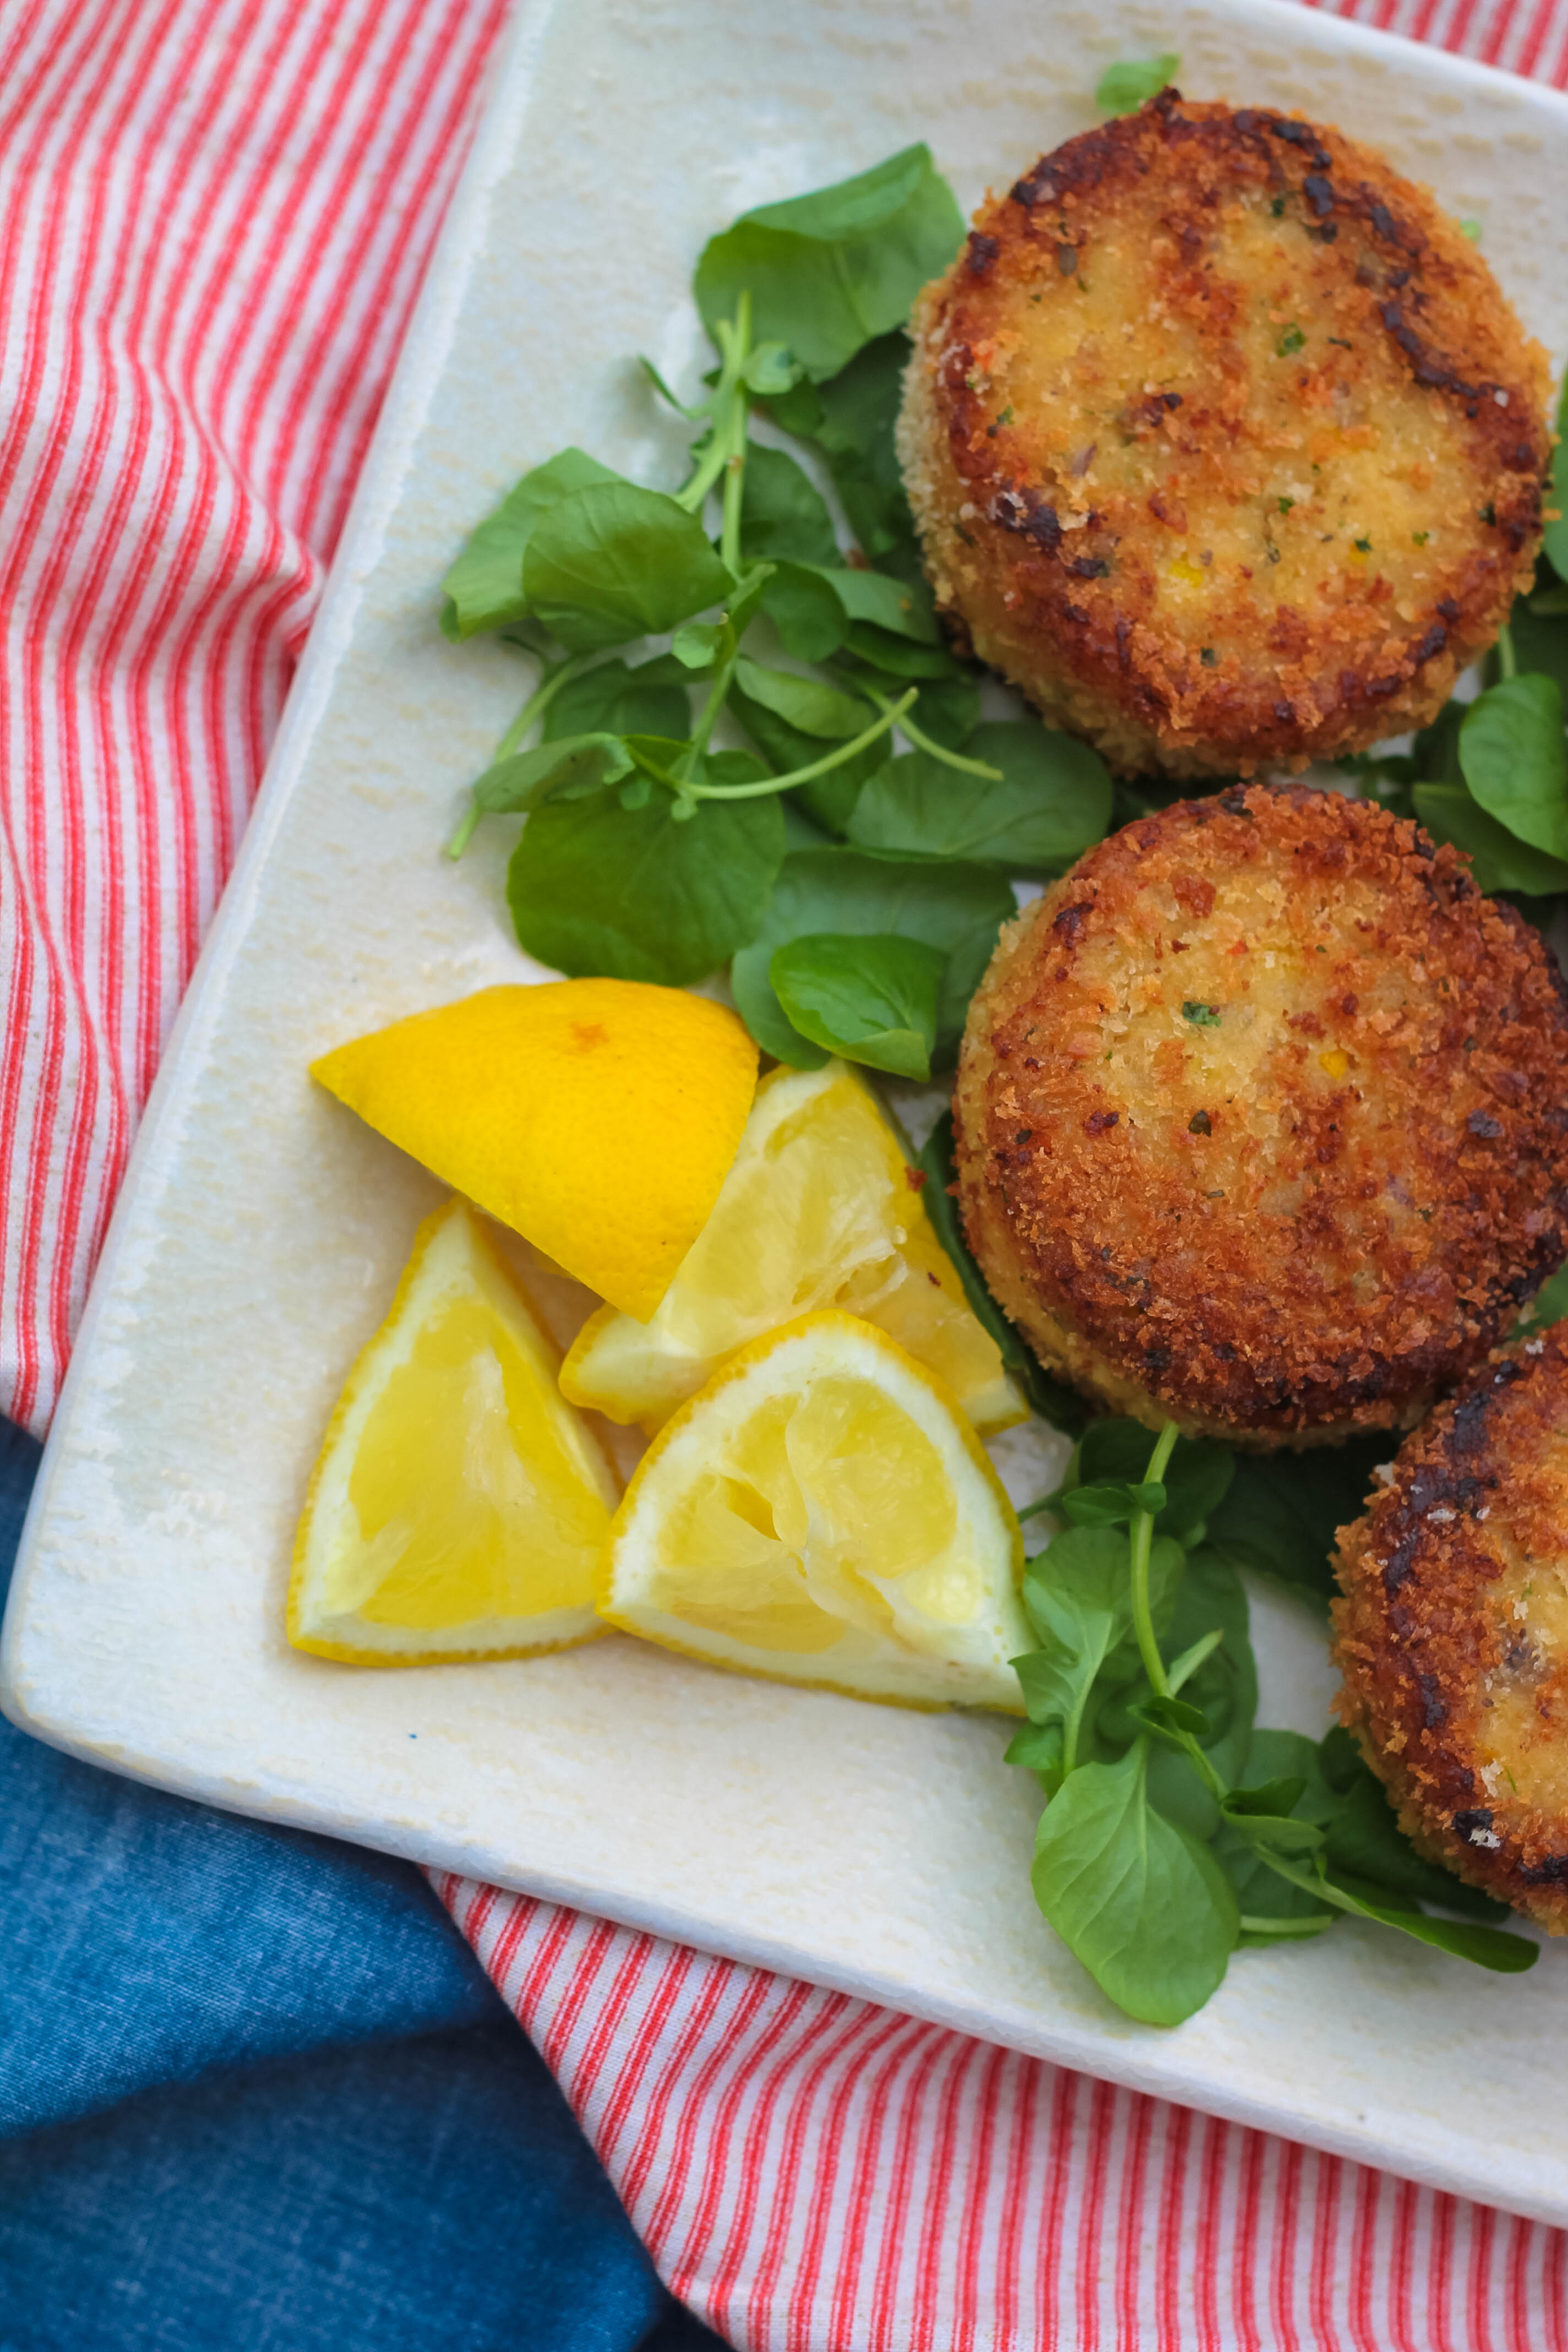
(571, 1627)
(520, 1097)
(624, 1615)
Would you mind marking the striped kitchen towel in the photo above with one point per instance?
(214, 215)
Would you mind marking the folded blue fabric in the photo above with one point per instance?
(257, 2096)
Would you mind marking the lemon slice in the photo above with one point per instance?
(818, 1211)
(822, 1513)
(597, 1117)
(459, 1505)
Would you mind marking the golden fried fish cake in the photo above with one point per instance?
(1262, 1119)
(1224, 443)
(1452, 1637)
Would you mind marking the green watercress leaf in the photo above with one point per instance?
(484, 587)
(576, 763)
(596, 888)
(1146, 1908)
(1261, 1893)
(1485, 1948)
(829, 271)
(957, 907)
(1283, 1511)
(803, 704)
(1052, 1399)
(1499, 859)
(1112, 1505)
(1127, 85)
(1078, 1597)
(1555, 541)
(871, 998)
(802, 604)
(783, 516)
(1515, 759)
(851, 418)
(614, 561)
(1053, 801)
(1366, 1844)
(898, 608)
(1549, 1306)
(830, 799)
(1224, 1689)
(650, 698)
(948, 710)
(1197, 1478)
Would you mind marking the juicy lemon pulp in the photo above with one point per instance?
(822, 1513)
(458, 1507)
(818, 1211)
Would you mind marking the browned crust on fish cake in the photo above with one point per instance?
(1415, 390)
(1452, 1635)
(1262, 1119)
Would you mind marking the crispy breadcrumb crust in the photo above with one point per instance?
(1262, 1119)
(1224, 443)
(1452, 1635)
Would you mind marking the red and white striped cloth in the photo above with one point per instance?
(214, 215)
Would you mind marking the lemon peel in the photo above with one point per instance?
(459, 1505)
(596, 1116)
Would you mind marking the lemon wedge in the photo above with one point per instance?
(822, 1513)
(459, 1505)
(597, 1117)
(817, 1210)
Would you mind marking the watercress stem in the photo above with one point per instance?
(553, 676)
(734, 337)
(1508, 660)
(934, 751)
(834, 758)
(1142, 1534)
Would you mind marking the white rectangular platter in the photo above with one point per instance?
(259, 1236)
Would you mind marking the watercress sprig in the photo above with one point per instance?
(1152, 1882)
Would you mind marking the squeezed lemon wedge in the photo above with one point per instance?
(596, 1116)
(817, 1210)
(822, 1513)
(459, 1505)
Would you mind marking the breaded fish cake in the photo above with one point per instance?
(1223, 442)
(1452, 1635)
(1262, 1119)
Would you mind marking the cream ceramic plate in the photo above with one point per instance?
(259, 1236)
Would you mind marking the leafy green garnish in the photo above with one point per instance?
(872, 997)
(955, 908)
(1052, 802)
(1052, 1399)
(484, 587)
(1515, 760)
(614, 561)
(783, 516)
(1144, 1904)
(1129, 84)
(596, 888)
(1174, 1830)
(650, 699)
(1499, 859)
(828, 272)
(1555, 541)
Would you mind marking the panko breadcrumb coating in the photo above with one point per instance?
(1452, 1635)
(1262, 1119)
(1223, 442)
